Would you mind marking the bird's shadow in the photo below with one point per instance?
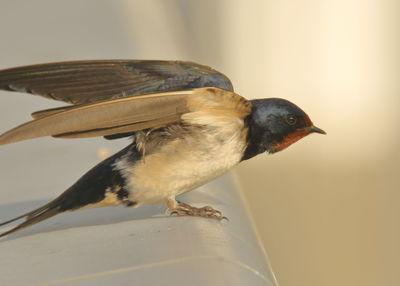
(82, 218)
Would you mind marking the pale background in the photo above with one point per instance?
(327, 207)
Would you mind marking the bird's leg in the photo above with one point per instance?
(181, 209)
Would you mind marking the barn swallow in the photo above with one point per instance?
(186, 123)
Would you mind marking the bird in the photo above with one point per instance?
(186, 126)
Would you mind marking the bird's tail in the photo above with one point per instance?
(33, 217)
(100, 186)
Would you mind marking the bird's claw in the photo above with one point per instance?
(183, 209)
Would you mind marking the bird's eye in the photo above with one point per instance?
(291, 119)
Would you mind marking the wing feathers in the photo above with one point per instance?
(121, 129)
(81, 82)
(202, 106)
(127, 114)
(47, 112)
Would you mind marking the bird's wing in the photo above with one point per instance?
(81, 82)
(129, 114)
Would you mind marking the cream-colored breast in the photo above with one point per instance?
(186, 163)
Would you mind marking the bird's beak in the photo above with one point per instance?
(314, 129)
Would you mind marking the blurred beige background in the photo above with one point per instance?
(327, 207)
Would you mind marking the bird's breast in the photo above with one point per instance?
(184, 163)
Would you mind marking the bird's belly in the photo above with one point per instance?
(150, 189)
(170, 173)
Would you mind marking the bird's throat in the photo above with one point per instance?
(290, 139)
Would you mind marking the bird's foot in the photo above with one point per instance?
(181, 209)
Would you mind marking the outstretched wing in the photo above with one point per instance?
(80, 82)
(124, 115)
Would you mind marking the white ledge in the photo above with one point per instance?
(119, 246)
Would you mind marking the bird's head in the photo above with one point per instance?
(275, 124)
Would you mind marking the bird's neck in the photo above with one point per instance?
(256, 139)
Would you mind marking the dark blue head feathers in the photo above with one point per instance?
(274, 124)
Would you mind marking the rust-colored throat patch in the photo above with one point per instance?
(291, 138)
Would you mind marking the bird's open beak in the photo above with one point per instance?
(314, 129)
